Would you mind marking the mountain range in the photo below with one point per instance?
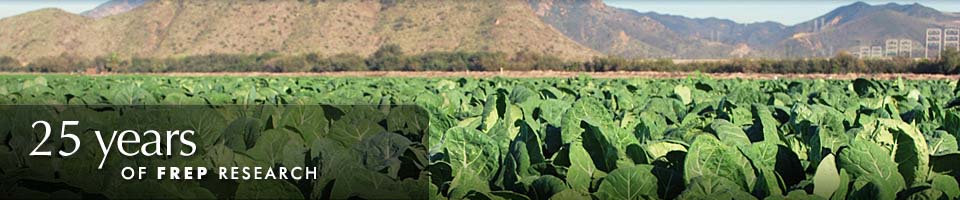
(569, 29)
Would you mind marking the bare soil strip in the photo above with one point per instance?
(564, 74)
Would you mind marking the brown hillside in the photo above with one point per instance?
(184, 27)
(40, 33)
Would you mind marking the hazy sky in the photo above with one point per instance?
(16, 7)
(745, 11)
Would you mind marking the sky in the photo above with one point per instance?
(788, 12)
(16, 7)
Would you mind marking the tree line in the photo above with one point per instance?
(392, 58)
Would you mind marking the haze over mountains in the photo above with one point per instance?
(629, 33)
(569, 29)
(113, 7)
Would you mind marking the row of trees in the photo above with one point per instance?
(7, 63)
(841, 63)
(392, 58)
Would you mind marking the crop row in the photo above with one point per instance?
(582, 138)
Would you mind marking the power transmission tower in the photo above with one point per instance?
(906, 48)
(816, 25)
(864, 52)
(951, 39)
(716, 36)
(876, 51)
(934, 37)
(823, 24)
(893, 47)
(819, 24)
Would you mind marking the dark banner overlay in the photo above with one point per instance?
(203, 152)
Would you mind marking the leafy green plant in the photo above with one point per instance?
(581, 138)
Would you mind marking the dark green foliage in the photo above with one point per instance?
(373, 165)
(62, 63)
(10, 64)
(950, 62)
(580, 138)
(391, 58)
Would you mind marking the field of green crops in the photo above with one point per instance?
(577, 138)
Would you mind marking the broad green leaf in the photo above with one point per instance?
(382, 152)
(553, 110)
(951, 122)
(947, 164)
(366, 184)
(585, 109)
(603, 152)
(581, 172)
(704, 187)
(492, 112)
(571, 195)
(926, 193)
(911, 154)
(683, 93)
(635, 182)
(841, 192)
(707, 157)
(509, 195)
(764, 125)
(358, 123)
(650, 127)
(279, 146)
(940, 142)
(242, 134)
(768, 184)
(827, 178)
(308, 121)
(947, 184)
(636, 154)
(729, 133)
(869, 162)
(872, 187)
(470, 151)
(463, 184)
(267, 189)
(779, 159)
(546, 186)
(796, 195)
(661, 148)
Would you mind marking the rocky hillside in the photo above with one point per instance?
(41, 33)
(848, 27)
(629, 33)
(162, 28)
(571, 29)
